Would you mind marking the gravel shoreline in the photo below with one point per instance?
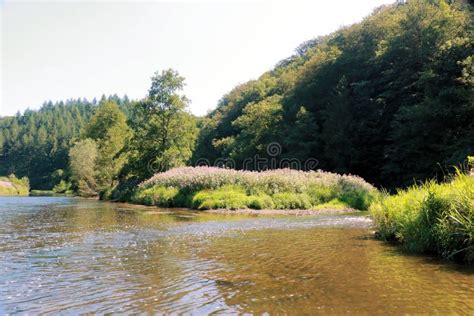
(281, 212)
(160, 210)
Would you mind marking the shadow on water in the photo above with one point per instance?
(81, 256)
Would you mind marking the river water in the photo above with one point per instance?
(69, 256)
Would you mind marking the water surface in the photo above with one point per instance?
(66, 255)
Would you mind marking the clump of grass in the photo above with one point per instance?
(230, 197)
(333, 204)
(50, 193)
(157, 196)
(261, 201)
(431, 218)
(289, 200)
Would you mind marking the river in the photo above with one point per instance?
(68, 255)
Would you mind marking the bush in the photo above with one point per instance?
(12, 185)
(432, 218)
(62, 187)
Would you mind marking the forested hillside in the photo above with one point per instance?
(35, 144)
(389, 99)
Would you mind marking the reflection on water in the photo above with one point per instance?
(75, 256)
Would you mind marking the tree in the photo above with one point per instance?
(164, 132)
(108, 128)
(258, 127)
(82, 162)
(389, 99)
(337, 128)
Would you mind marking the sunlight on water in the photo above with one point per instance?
(77, 256)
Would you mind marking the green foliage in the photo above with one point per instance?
(50, 193)
(261, 201)
(62, 187)
(210, 188)
(108, 128)
(259, 126)
(230, 197)
(82, 160)
(289, 200)
(12, 185)
(164, 132)
(433, 218)
(157, 196)
(333, 204)
(36, 143)
(389, 99)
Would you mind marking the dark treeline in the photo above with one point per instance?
(389, 99)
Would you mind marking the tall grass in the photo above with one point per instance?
(431, 218)
(211, 188)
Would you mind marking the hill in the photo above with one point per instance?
(389, 99)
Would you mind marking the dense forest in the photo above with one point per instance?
(389, 99)
(35, 144)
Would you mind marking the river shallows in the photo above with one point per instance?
(76, 256)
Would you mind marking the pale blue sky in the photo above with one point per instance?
(55, 50)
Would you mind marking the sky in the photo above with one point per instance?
(57, 50)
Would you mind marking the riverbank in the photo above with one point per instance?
(282, 212)
(430, 218)
(253, 212)
(39, 193)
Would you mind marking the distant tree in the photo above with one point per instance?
(82, 161)
(108, 128)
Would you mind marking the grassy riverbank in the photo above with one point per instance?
(11, 185)
(50, 193)
(207, 188)
(430, 218)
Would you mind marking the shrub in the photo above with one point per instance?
(274, 188)
(62, 187)
(12, 185)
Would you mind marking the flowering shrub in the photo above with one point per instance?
(211, 187)
(270, 182)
